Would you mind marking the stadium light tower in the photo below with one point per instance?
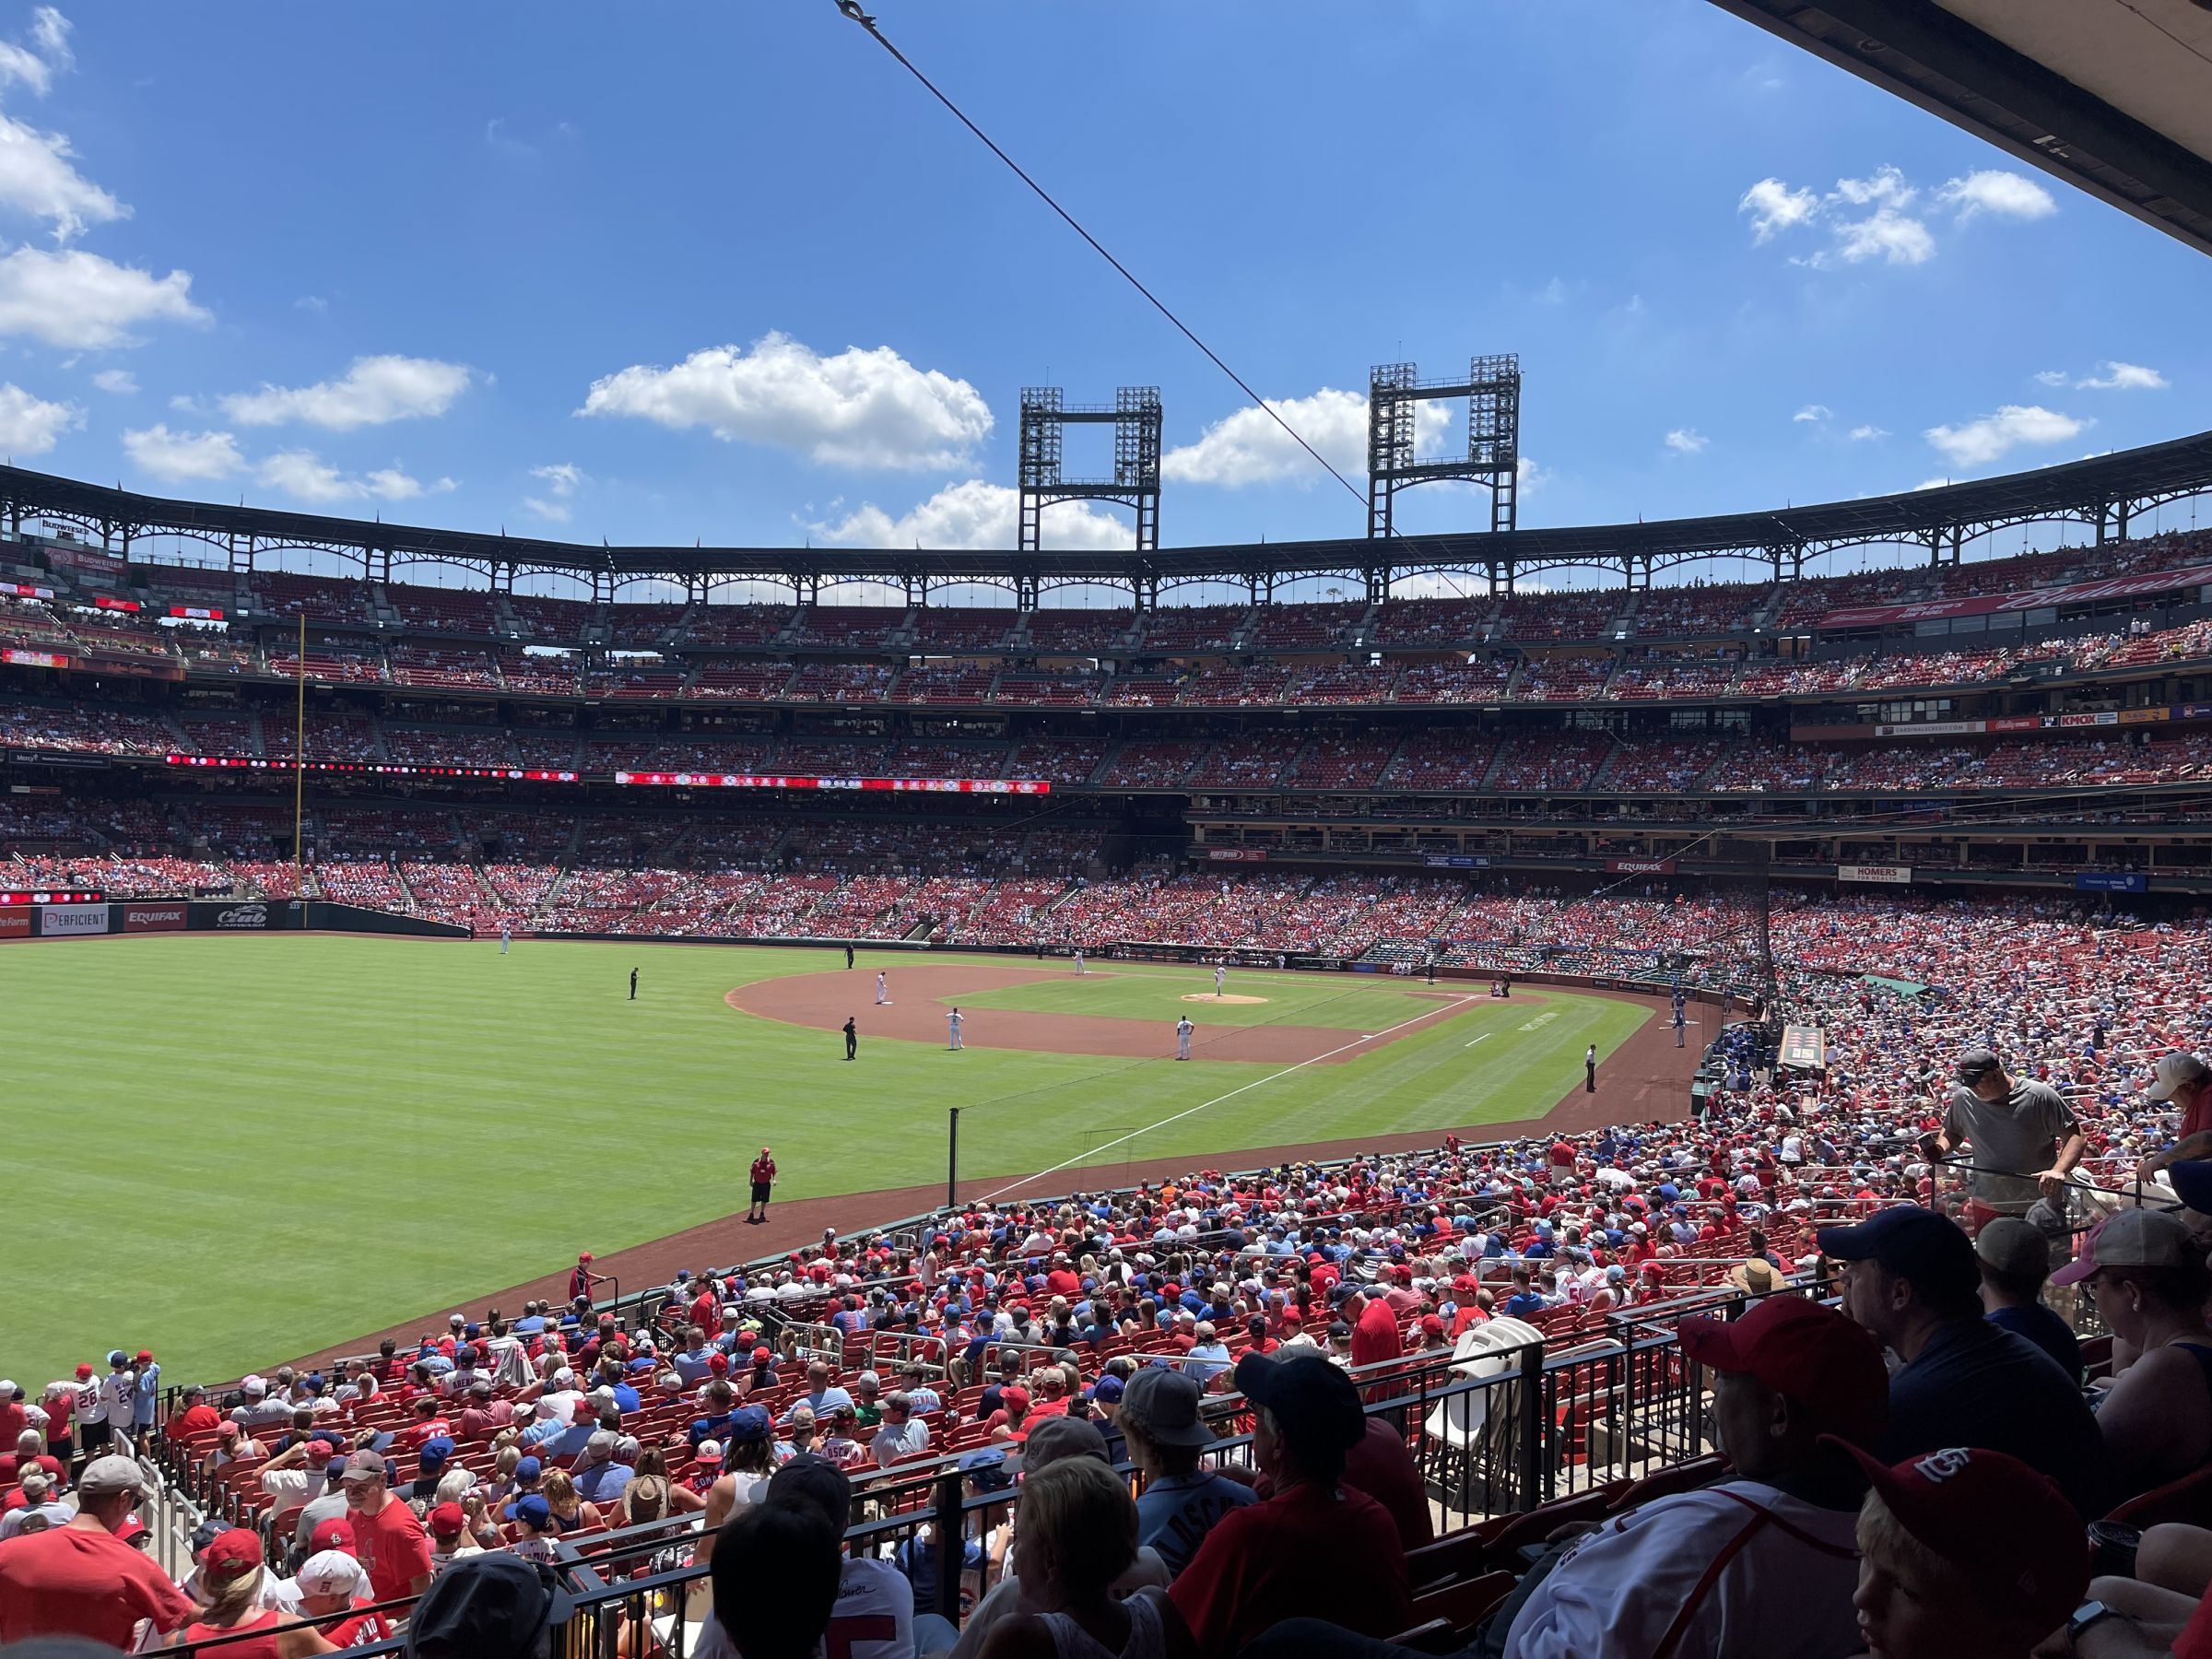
(1134, 417)
(1395, 395)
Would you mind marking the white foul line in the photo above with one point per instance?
(1217, 1101)
(1484, 1038)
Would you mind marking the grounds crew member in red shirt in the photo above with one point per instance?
(388, 1539)
(81, 1579)
(764, 1176)
(1317, 1548)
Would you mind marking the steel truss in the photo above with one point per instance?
(2108, 495)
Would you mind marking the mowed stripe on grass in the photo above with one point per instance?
(229, 1148)
(1347, 1002)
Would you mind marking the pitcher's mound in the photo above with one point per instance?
(1207, 996)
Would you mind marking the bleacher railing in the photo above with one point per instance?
(1586, 1415)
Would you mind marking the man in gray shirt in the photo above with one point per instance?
(2024, 1137)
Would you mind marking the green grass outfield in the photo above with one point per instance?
(233, 1149)
(1155, 993)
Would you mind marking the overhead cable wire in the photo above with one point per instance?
(851, 8)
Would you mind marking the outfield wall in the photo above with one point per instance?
(105, 918)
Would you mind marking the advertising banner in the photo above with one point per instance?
(1887, 875)
(1236, 854)
(15, 923)
(72, 919)
(1022, 786)
(1805, 1047)
(2110, 881)
(1456, 861)
(1640, 867)
(1932, 728)
(153, 918)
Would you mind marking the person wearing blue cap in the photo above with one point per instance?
(530, 1520)
(1910, 1277)
(436, 1453)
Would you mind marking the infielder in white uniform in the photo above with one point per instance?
(1220, 974)
(883, 992)
(1079, 961)
(1182, 1037)
(952, 1028)
(506, 936)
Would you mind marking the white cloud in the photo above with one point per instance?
(1871, 218)
(858, 408)
(1861, 434)
(2006, 194)
(51, 31)
(29, 425)
(2051, 377)
(179, 456)
(2123, 377)
(1978, 442)
(305, 475)
(73, 298)
(1775, 207)
(310, 302)
(1813, 412)
(35, 68)
(1552, 293)
(1686, 441)
(1892, 237)
(302, 474)
(373, 391)
(562, 478)
(37, 178)
(122, 382)
(976, 514)
(1885, 187)
(1247, 447)
(1528, 478)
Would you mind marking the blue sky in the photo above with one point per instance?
(723, 272)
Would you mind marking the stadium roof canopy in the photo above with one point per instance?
(2112, 96)
(2102, 491)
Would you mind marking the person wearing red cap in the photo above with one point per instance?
(1963, 1551)
(582, 1278)
(1764, 1563)
(230, 1575)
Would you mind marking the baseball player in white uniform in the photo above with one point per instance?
(1182, 1037)
(506, 936)
(1220, 974)
(952, 1030)
(1079, 961)
(883, 992)
(118, 1395)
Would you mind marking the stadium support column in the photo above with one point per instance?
(1135, 416)
(1395, 395)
